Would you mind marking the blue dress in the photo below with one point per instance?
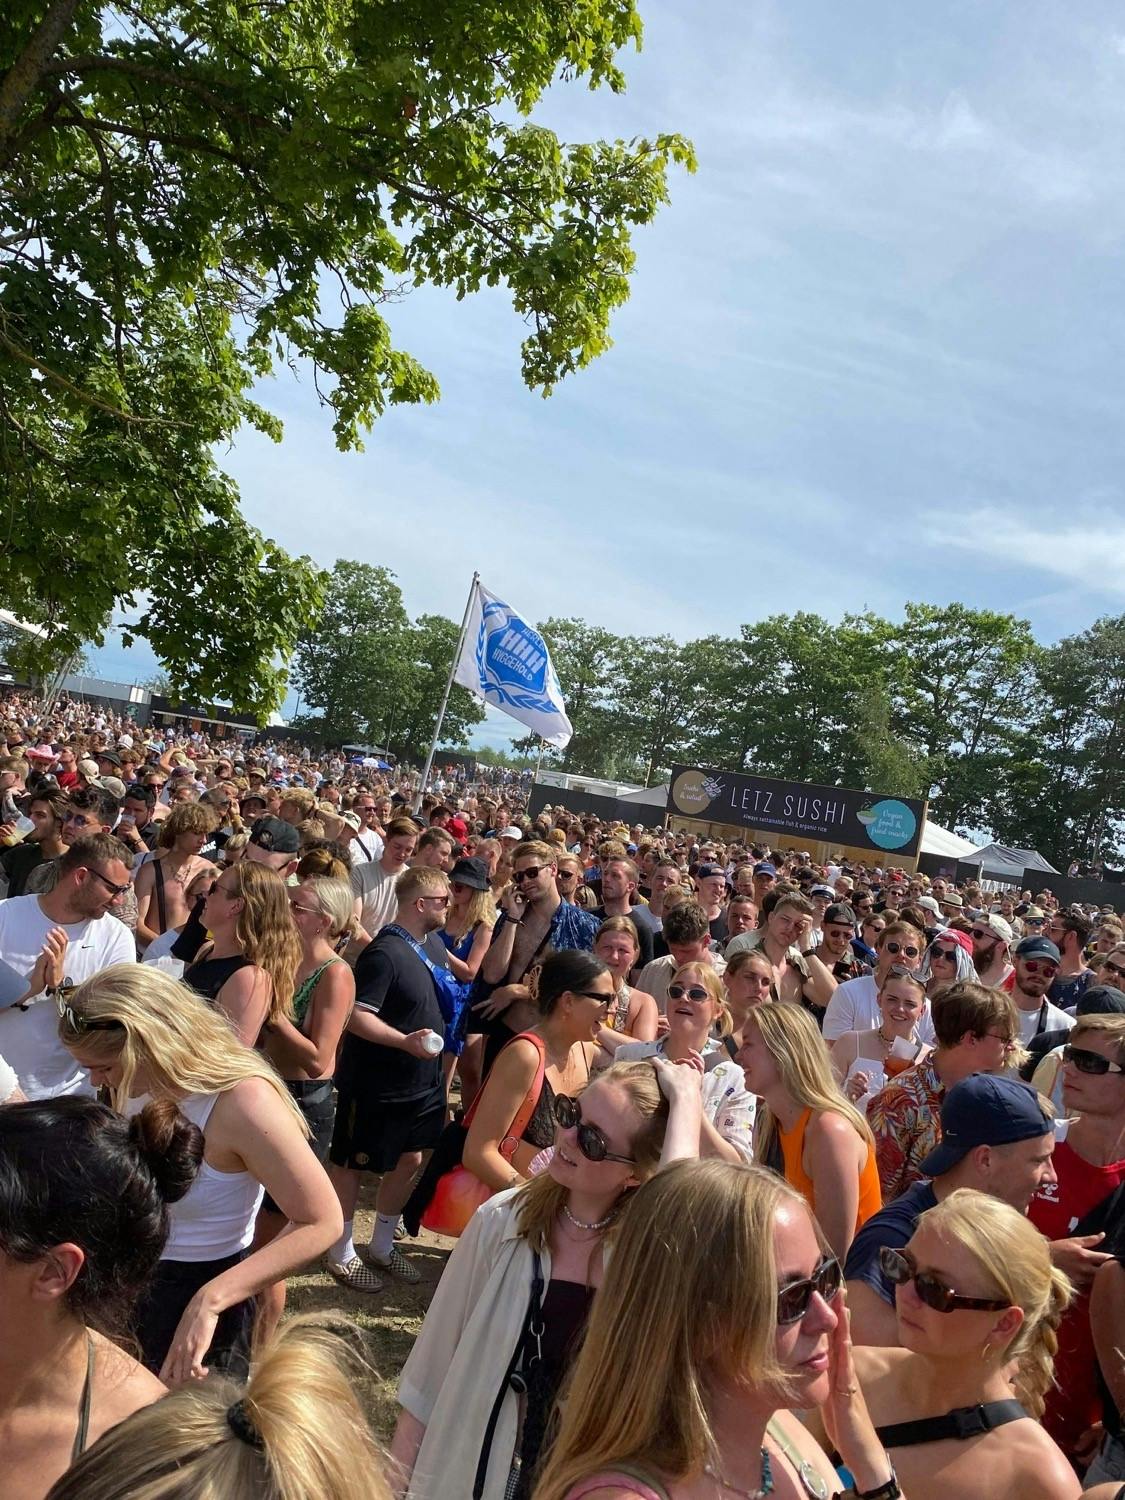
(455, 1031)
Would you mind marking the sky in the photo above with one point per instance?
(872, 352)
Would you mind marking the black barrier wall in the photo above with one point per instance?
(609, 809)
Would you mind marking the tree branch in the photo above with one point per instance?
(22, 78)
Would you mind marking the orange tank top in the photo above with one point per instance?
(793, 1152)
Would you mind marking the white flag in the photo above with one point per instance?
(505, 661)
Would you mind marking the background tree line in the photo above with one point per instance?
(1006, 734)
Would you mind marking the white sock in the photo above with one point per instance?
(343, 1250)
(383, 1237)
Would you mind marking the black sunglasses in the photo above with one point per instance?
(532, 872)
(899, 1267)
(793, 1299)
(591, 1142)
(1113, 969)
(909, 951)
(1090, 1062)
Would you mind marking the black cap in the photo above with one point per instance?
(110, 755)
(1101, 1000)
(839, 911)
(275, 836)
(706, 872)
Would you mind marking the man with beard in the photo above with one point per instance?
(1037, 963)
(992, 938)
(47, 810)
(620, 879)
(70, 932)
(1070, 933)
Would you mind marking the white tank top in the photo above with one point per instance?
(215, 1217)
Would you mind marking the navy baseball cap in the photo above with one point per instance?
(705, 872)
(1039, 947)
(765, 868)
(985, 1110)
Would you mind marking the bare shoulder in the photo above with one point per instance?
(827, 1127)
(122, 1386)
(1044, 1470)
(250, 1100)
(875, 1363)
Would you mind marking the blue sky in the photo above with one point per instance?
(872, 352)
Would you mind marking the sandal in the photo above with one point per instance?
(356, 1275)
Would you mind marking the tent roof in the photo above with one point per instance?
(940, 841)
(1000, 859)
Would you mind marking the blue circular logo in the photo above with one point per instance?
(889, 824)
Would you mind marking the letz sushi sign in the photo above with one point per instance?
(861, 820)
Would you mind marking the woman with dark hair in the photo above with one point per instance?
(83, 1220)
(573, 993)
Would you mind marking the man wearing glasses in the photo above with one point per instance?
(1037, 963)
(992, 939)
(367, 844)
(855, 1004)
(1081, 1212)
(70, 932)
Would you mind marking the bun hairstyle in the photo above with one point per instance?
(295, 1431)
(569, 969)
(74, 1171)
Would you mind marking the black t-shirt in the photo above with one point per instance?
(392, 981)
(18, 863)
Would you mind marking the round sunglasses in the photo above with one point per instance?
(899, 1267)
(692, 991)
(591, 1142)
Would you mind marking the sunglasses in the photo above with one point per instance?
(532, 872)
(1113, 969)
(310, 911)
(75, 1021)
(984, 933)
(902, 971)
(118, 890)
(692, 991)
(947, 953)
(591, 1142)
(899, 1267)
(908, 951)
(793, 1299)
(1090, 1062)
(1040, 966)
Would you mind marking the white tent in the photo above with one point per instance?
(947, 845)
(8, 618)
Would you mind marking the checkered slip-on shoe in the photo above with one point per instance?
(357, 1275)
(397, 1264)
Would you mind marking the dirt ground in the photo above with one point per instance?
(390, 1319)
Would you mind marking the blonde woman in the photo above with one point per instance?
(827, 1151)
(978, 1302)
(633, 1014)
(748, 978)
(162, 882)
(142, 1035)
(303, 1050)
(699, 1031)
(689, 1377)
(537, 1249)
(471, 917)
(249, 966)
(295, 1431)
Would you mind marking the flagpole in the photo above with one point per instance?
(538, 763)
(420, 793)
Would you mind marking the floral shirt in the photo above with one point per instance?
(905, 1119)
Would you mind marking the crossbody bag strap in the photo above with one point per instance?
(965, 1422)
(513, 1380)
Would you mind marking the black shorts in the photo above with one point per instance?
(316, 1099)
(162, 1304)
(371, 1133)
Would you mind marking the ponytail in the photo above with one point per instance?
(295, 1431)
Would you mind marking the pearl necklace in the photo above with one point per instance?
(597, 1223)
(765, 1488)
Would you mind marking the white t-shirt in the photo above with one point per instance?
(1054, 1019)
(855, 1007)
(376, 890)
(29, 1038)
(159, 953)
(365, 848)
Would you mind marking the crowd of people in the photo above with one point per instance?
(769, 1173)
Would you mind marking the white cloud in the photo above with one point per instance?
(1087, 549)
